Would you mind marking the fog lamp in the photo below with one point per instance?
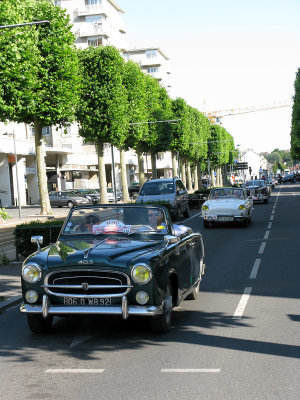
(142, 297)
(31, 296)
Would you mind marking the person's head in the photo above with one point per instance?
(89, 221)
(155, 217)
(236, 193)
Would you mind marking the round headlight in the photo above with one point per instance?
(141, 273)
(31, 296)
(205, 208)
(242, 207)
(31, 273)
(142, 297)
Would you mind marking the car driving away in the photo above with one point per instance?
(228, 204)
(113, 260)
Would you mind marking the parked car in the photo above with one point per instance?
(258, 190)
(291, 178)
(227, 204)
(66, 199)
(134, 188)
(112, 260)
(170, 190)
(91, 194)
(111, 195)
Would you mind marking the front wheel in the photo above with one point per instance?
(163, 322)
(186, 214)
(70, 204)
(205, 224)
(38, 324)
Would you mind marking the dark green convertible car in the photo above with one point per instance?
(113, 260)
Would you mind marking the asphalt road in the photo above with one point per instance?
(239, 340)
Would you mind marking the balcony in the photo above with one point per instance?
(95, 29)
(94, 9)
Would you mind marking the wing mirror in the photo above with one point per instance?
(170, 239)
(38, 240)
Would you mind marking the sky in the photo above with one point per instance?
(227, 54)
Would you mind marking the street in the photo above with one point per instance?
(239, 340)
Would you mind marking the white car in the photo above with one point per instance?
(227, 204)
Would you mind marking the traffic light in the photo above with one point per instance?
(250, 170)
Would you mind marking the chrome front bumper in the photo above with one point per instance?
(124, 310)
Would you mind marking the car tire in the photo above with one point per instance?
(163, 322)
(186, 214)
(266, 200)
(177, 214)
(194, 294)
(206, 224)
(245, 223)
(38, 324)
(70, 204)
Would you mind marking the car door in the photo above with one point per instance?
(183, 197)
(53, 199)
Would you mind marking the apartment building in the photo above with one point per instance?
(153, 62)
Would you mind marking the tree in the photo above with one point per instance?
(295, 131)
(38, 73)
(102, 108)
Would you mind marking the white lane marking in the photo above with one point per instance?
(196, 215)
(255, 268)
(273, 212)
(213, 370)
(242, 304)
(272, 217)
(262, 248)
(74, 371)
(270, 225)
(267, 234)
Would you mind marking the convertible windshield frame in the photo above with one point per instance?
(99, 220)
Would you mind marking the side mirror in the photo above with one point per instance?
(38, 240)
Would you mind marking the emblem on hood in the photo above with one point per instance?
(85, 285)
(86, 262)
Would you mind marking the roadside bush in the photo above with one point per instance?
(23, 232)
(4, 215)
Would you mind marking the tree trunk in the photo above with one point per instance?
(189, 177)
(183, 174)
(101, 172)
(153, 164)
(41, 170)
(196, 176)
(141, 167)
(212, 175)
(124, 177)
(174, 164)
(200, 184)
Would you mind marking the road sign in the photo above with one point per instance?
(241, 165)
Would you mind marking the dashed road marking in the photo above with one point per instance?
(242, 304)
(262, 248)
(255, 268)
(270, 225)
(191, 370)
(74, 371)
(272, 217)
(266, 235)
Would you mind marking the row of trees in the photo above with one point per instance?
(295, 131)
(280, 159)
(45, 81)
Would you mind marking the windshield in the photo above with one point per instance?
(117, 220)
(157, 188)
(255, 182)
(226, 193)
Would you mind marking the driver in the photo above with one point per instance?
(156, 219)
(89, 221)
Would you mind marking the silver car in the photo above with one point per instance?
(170, 190)
(67, 199)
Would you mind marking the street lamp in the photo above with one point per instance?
(17, 174)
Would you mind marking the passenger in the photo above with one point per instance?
(156, 219)
(89, 221)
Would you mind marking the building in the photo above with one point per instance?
(255, 161)
(152, 61)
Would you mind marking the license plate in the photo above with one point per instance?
(73, 301)
(225, 218)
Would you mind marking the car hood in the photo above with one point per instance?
(223, 203)
(101, 252)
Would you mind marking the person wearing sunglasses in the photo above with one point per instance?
(156, 219)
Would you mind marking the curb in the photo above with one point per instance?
(12, 301)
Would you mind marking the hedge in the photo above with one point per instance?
(23, 232)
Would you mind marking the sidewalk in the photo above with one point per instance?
(10, 285)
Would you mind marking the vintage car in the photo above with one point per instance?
(227, 204)
(113, 260)
(258, 190)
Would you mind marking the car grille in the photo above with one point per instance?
(87, 283)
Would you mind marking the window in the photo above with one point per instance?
(95, 42)
(93, 2)
(151, 54)
(57, 3)
(152, 70)
(95, 19)
(46, 130)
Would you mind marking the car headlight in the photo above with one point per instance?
(31, 273)
(88, 197)
(205, 208)
(242, 207)
(141, 273)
